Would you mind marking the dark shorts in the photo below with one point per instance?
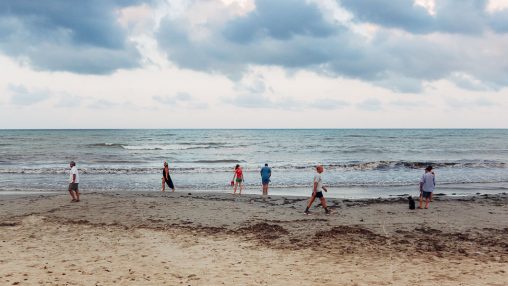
(73, 186)
(319, 195)
(426, 194)
(239, 180)
(265, 181)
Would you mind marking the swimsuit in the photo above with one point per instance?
(168, 179)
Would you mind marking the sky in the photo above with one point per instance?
(254, 64)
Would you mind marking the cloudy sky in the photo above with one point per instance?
(254, 64)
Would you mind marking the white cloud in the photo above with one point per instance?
(497, 5)
(370, 104)
(21, 95)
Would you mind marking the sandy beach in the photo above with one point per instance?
(143, 238)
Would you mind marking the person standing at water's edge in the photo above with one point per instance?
(73, 182)
(266, 173)
(237, 179)
(427, 185)
(166, 178)
(316, 192)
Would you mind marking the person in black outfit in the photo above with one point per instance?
(166, 178)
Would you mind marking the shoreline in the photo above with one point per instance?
(210, 238)
(334, 193)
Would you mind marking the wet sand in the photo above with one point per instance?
(220, 239)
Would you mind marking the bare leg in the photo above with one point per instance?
(311, 200)
(421, 201)
(77, 195)
(323, 202)
(427, 203)
(241, 187)
(234, 189)
(431, 194)
(72, 195)
(163, 185)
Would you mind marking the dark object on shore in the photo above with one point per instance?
(411, 203)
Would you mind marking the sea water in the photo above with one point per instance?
(359, 163)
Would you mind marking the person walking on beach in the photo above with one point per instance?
(166, 178)
(427, 185)
(237, 179)
(266, 173)
(316, 192)
(73, 182)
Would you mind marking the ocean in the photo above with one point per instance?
(359, 163)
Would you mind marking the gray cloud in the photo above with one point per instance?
(393, 13)
(499, 21)
(397, 61)
(451, 16)
(20, 95)
(230, 53)
(279, 20)
(76, 36)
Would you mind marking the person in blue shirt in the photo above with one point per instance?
(427, 186)
(266, 173)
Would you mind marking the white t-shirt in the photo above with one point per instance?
(74, 171)
(429, 182)
(319, 181)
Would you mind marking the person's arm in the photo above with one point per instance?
(315, 186)
(324, 188)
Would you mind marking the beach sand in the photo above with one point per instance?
(221, 239)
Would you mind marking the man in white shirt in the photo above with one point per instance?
(73, 182)
(316, 192)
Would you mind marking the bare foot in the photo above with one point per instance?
(173, 190)
(73, 200)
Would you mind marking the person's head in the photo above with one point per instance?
(237, 166)
(72, 164)
(428, 169)
(165, 164)
(266, 165)
(319, 169)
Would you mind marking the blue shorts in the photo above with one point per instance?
(426, 194)
(265, 181)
